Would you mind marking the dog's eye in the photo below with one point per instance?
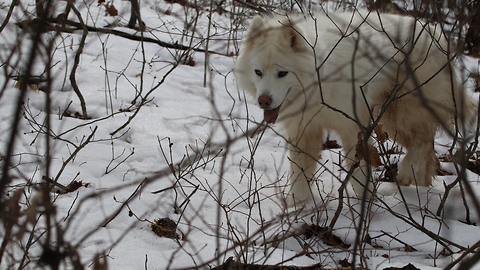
(258, 72)
(282, 74)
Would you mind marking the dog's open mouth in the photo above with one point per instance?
(270, 116)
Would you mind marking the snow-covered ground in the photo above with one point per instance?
(185, 156)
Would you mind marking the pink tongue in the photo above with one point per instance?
(270, 116)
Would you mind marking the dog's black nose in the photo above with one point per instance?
(264, 101)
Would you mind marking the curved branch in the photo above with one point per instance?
(79, 52)
(60, 26)
(9, 14)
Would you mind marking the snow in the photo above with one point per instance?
(229, 188)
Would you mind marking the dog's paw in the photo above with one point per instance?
(365, 194)
(403, 179)
(293, 201)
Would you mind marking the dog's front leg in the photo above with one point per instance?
(361, 179)
(304, 155)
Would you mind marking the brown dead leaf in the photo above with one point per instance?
(331, 144)
(74, 185)
(391, 172)
(382, 136)
(325, 235)
(61, 189)
(443, 172)
(368, 239)
(165, 227)
(77, 115)
(111, 10)
(345, 263)
(33, 87)
(189, 61)
(474, 166)
(373, 158)
(409, 248)
(30, 86)
(406, 267)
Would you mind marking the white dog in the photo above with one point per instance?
(348, 72)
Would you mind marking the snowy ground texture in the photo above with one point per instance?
(184, 155)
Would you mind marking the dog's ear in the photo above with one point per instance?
(293, 36)
(256, 27)
(291, 33)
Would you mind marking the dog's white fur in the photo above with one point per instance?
(344, 71)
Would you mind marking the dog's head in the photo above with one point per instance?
(269, 65)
